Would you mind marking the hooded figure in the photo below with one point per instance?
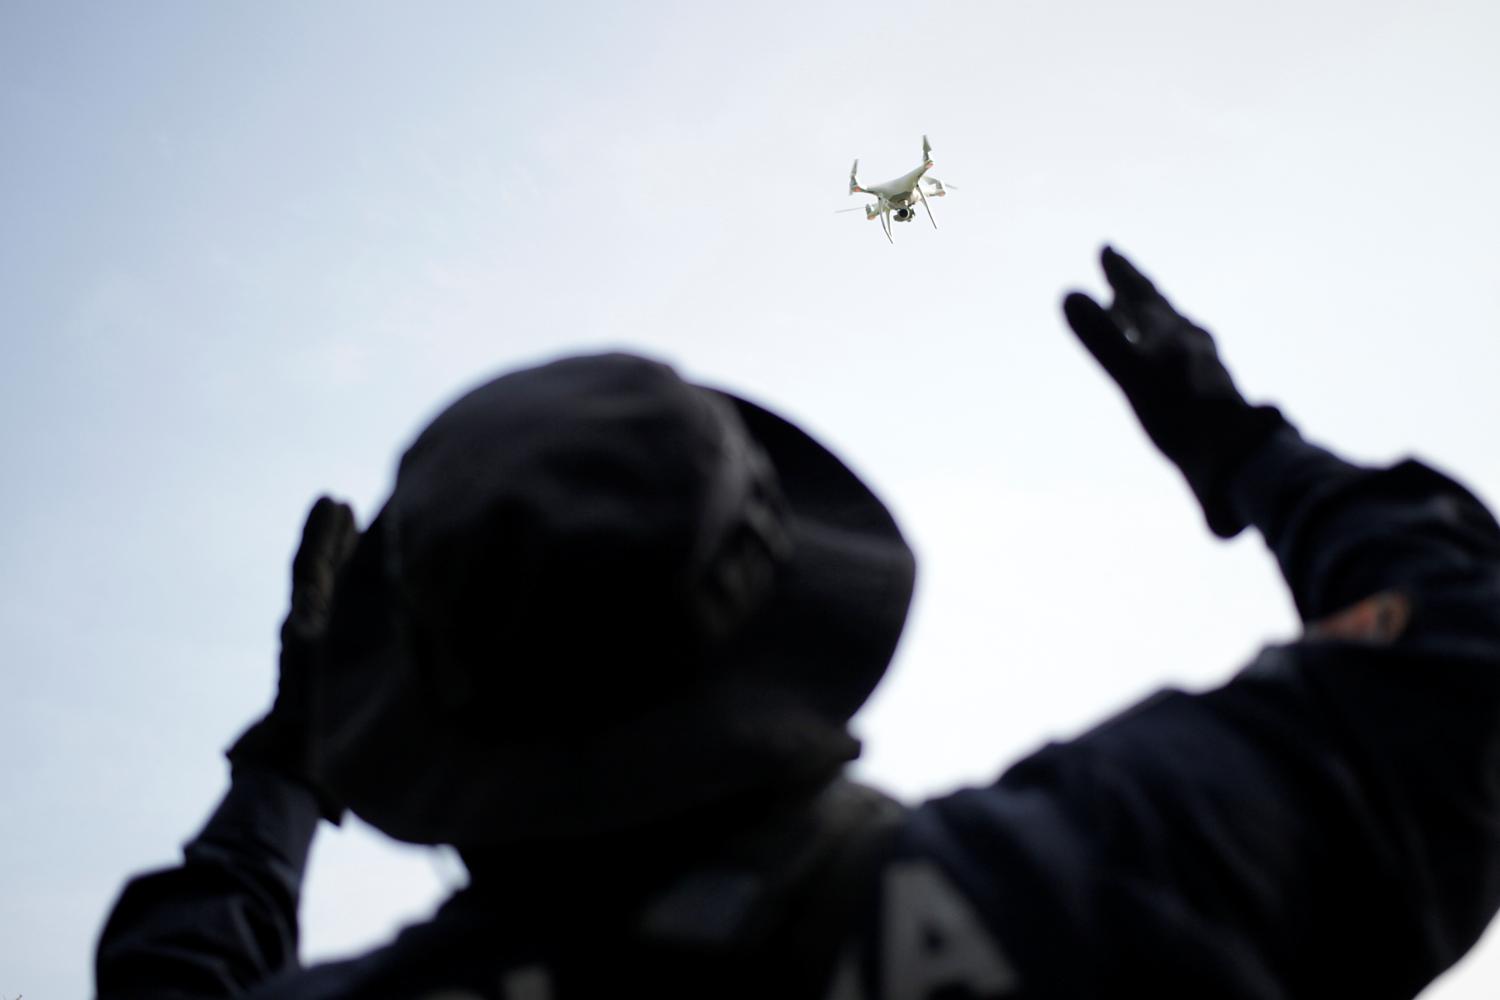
(606, 637)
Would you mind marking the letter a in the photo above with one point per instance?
(933, 938)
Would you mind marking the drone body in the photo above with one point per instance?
(897, 198)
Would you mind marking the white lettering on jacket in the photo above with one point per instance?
(931, 939)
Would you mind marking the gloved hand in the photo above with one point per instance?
(1170, 372)
(281, 741)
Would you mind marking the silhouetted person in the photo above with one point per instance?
(606, 635)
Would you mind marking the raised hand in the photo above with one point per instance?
(1169, 370)
(281, 741)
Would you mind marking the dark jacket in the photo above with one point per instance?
(1325, 824)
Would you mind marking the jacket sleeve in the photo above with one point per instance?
(226, 918)
(1325, 824)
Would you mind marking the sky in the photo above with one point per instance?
(249, 249)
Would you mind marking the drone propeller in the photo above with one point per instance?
(854, 184)
(926, 149)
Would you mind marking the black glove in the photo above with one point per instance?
(281, 741)
(1170, 372)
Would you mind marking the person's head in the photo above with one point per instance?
(600, 596)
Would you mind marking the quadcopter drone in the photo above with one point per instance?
(895, 198)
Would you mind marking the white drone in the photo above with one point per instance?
(895, 197)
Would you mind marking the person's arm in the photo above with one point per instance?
(225, 920)
(1334, 812)
(1329, 821)
(1325, 824)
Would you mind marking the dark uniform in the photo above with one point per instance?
(1326, 824)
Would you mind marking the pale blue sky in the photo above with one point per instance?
(247, 249)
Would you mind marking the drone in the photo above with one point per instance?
(894, 198)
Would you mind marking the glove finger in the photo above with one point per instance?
(328, 537)
(1149, 320)
(1128, 282)
(1138, 309)
(1103, 337)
